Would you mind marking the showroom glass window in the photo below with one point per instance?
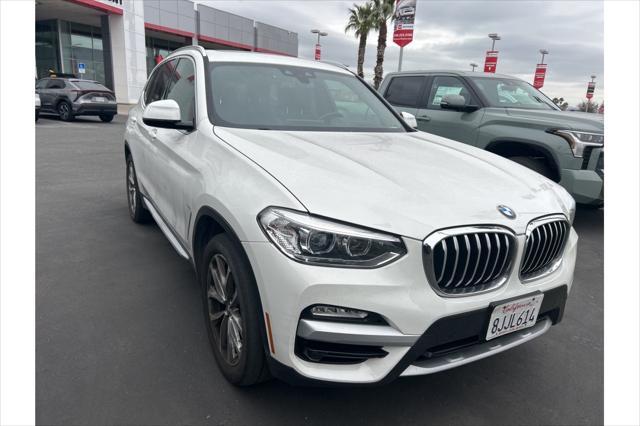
(158, 49)
(404, 91)
(82, 44)
(46, 48)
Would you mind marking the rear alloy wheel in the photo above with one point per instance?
(134, 200)
(107, 118)
(64, 111)
(232, 312)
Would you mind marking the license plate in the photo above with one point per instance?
(513, 316)
(99, 99)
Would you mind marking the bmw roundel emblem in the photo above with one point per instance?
(507, 211)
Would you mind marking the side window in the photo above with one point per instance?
(56, 84)
(181, 88)
(159, 82)
(404, 91)
(41, 84)
(443, 86)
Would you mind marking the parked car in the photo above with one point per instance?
(333, 242)
(72, 97)
(38, 104)
(508, 117)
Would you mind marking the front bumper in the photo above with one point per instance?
(95, 108)
(586, 184)
(400, 293)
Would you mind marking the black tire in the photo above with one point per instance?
(107, 118)
(65, 111)
(37, 115)
(134, 200)
(539, 166)
(242, 306)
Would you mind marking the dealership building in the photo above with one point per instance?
(118, 42)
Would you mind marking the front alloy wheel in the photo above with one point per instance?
(232, 311)
(224, 310)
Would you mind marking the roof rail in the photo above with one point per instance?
(337, 64)
(200, 49)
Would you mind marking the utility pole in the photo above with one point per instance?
(586, 108)
(473, 66)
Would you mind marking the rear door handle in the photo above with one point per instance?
(424, 118)
(154, 133)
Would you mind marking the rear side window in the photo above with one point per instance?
(89, 85)
(159, 82)
(56, 84)
(404, 91)
(41, 84)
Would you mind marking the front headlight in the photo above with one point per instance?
(317, 241)
(578, 141)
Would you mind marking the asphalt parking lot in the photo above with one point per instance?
(120, 337)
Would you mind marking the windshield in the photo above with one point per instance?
(511, 93)
(277, 97)
(88, 85)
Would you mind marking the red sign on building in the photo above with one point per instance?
(590, 89)
(405, 17)
(538, 78)
(318, 52)
(491, 61)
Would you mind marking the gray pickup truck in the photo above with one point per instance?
(507, 116)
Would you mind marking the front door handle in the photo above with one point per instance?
(154, 133)
(424, 118)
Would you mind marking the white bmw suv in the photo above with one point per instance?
(332, 241)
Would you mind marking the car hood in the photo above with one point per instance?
(586, 122)
(408, 184)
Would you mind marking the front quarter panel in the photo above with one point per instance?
(233, 186)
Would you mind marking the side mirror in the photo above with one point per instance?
(164, 114)
(456, 103)
(410, 119)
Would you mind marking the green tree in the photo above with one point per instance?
(361, 22)
(588, 106)
(383, 11)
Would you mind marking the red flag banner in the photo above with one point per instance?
(538, 78)
(491, 61)
(405, 16)
(591, 87)
(318, 52)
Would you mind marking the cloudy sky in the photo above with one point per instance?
(451, 34)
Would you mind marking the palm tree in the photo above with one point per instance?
(383, 11)
(360, 22)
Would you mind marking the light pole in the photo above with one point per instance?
(586, 108)
(543, 52)
(473, 66)
(320, 34)
(494, 37)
